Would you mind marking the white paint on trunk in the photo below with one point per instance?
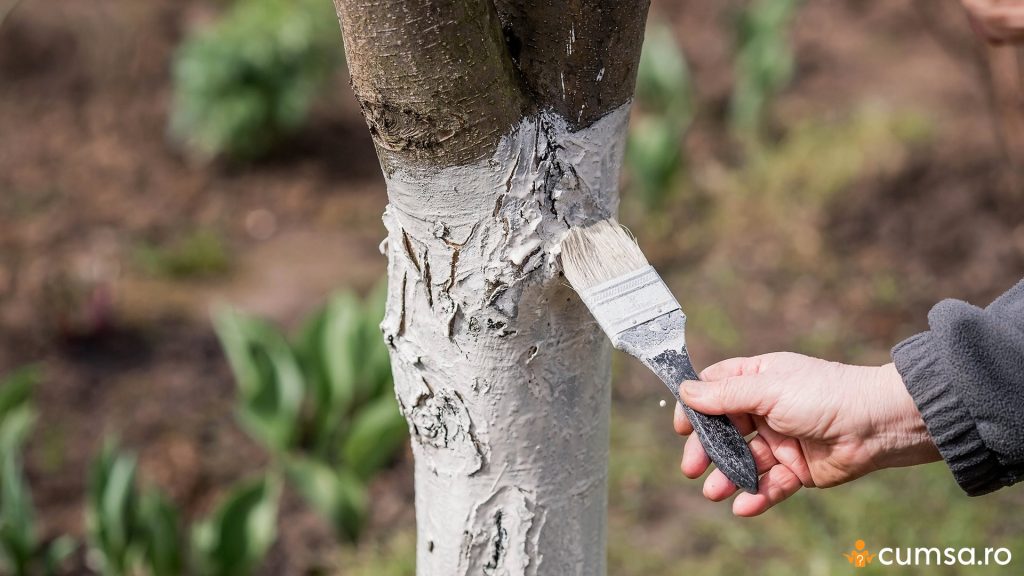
(499, 368)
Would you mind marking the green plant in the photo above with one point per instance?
(270, 382)
(664, 96)
(764, 61)
(321, 402)
(116, 543)
(22, 552)
(655, 160)
(663, 81)
(136, 531)
(336, 493)
(130, 531)
(199, 254)
(235, 539)
(249, 79)
(348, 371)
(16, 394)
(161, 527)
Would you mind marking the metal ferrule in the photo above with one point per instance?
(629, 300)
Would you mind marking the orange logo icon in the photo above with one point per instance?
(859, 557)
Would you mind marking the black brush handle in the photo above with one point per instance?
(660, 343)
(721, 440)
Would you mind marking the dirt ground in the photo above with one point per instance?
(87, 176)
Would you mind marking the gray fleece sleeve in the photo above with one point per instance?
(966, 375)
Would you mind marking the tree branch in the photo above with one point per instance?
(433, 78)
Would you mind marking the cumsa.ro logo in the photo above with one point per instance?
(860, 556)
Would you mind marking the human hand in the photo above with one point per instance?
(998, 21)
(818, 424)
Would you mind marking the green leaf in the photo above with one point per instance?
(15, 428)
(201, 253)
(115, 508)
(337, 495)
(377, 433)
(310, 353)
(307, 343)
(21, 552)
(654, 157)
(248, 80)
(17, 518)
(160, 523)
(236, 537)
(16, 390)
(269, 379)
(111, 512)
(236, 333)
(764, 61)
(375, 369)
(56, 553)
(654, 154)
(343, 349)
(663, 84)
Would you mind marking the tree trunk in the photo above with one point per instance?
(498, 125)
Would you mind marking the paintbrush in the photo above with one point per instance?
(636, 310)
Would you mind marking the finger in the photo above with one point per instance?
(718, 487)
(787, 451)
(683, 427)
(743, 423)
(776, 485)
(732, 367)
(998, 24)
(763, 456)
(979, 28)
(988, 32)
(695, 459)
(680, 422)
(732, 395)
(1006, 18)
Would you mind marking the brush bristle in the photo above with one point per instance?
(598, 253)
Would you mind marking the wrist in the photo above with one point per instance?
(899, 434)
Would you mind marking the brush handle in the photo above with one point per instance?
(721, 440)
(660, 344)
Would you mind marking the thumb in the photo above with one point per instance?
(754, 394)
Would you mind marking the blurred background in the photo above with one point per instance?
(189, 219)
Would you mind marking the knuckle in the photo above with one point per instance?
(757, 365)
(726, 393)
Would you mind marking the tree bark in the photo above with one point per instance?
(499, 368)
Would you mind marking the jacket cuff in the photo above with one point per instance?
(929, 378)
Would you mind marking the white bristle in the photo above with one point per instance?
(598, 253)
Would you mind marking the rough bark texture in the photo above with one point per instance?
(432, 77)
(577, 57)
(499, 368)
(440, 81)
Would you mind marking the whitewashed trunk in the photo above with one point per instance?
(499, 368)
